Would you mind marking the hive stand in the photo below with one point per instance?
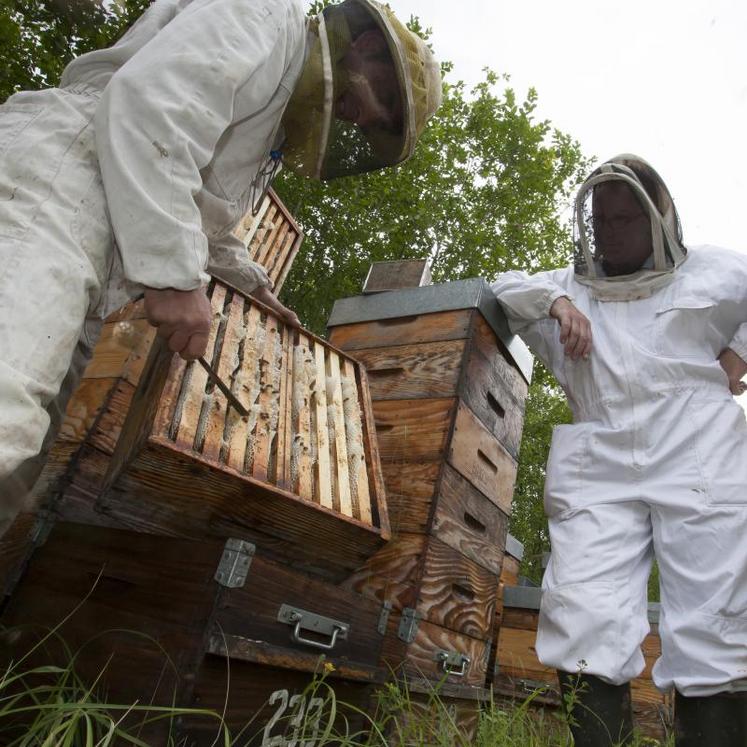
(448, 383)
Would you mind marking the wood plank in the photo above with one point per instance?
(420, 658)
(413, 430)
(270, 238)
(476, 454)
(131, 310)
(444, 325)
(249, 223)
(252, 611)
(491, 398)
(246, 388)
(319, 404)
(379, 508)
(281, 474)
(302, 363)
(455, 592)
(280, 257)
(268, 400)
(285, 269)
(195, 394)
(510, 571)
(221, 415)
(106, 431)
(266, 225)
(425, 370)
(84, 407)
(275, 246)
(360, 496)
(392, 574)
(121, 350)
(338, 443)
(410, 491)
(469, 523)
(485, 341)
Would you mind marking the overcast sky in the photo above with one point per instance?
(666, 80)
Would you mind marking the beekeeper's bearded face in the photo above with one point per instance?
(372, 98)
(622, 229)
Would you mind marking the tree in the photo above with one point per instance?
(486, 191)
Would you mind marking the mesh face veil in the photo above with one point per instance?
(607, 241)
(322, 146)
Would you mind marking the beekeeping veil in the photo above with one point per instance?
(666, 232)
(319, 145)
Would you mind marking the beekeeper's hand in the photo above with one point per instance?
(183, 319)
(575, 328)
(735, 369)
(268, 298)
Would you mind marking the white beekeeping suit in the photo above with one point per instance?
(654, 462)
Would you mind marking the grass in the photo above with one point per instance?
(52, 706)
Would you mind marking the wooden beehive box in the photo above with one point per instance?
(300, 474)
(448, 383)
(272, 238)
(520, 673)
(195, 623)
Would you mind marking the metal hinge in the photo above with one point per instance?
(234, 563)
(408, 625)
(386, 608)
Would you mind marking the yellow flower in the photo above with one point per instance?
(329, 667)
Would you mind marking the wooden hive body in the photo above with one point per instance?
(448, 384)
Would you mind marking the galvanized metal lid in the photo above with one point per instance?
(460, 294)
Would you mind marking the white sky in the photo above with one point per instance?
(666, 80)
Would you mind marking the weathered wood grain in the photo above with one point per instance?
(455, 592)
(121, 350)
(410, 490)
(420, 658)
(426, 370)
(360, 490)
(470, 523)
(446, 325)
(251, 611)
(476, 454)
(322, 469)
(392, 573)
(412, 430)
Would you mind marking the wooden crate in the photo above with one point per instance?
(272, 238)
(519, 671)
(226, 643)
(448, 384)
(300, 473)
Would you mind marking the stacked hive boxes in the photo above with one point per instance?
(448, 383)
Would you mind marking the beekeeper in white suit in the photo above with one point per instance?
(646, 338)
(131, 176)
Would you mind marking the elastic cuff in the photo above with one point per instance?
(553, 296)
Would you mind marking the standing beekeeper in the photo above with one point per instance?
(647, 338)
(131, 177)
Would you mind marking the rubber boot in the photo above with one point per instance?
(599, 714)
(713, 721)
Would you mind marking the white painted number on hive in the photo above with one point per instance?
(303, 722)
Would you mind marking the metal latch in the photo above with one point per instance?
(322, 626)
(234, 563)
(384, 617)
(408, 625)
(454, 663)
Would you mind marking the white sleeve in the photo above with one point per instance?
(229, 261)
(739, 342)
(160, 118)
(526, 299)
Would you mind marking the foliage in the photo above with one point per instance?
(39, 37)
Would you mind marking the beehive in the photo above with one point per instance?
(272, 238)
(448, 383)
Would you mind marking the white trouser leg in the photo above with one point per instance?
(702, 555)
(593, 616)
(55, 250)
